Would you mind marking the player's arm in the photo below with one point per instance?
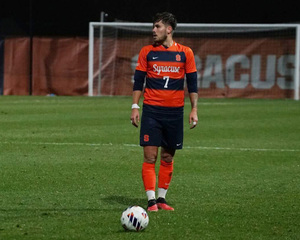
(139, 78)
(191, 79)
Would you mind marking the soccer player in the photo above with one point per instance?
(164, 66)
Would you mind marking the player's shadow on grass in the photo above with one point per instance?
(124, 200)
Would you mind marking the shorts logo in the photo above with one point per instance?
(178, 58)
(146, 138)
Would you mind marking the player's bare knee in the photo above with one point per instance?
(150, 156)
(167, 155)
(167, 158)
(150, 159)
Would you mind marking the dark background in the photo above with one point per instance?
(71, 18)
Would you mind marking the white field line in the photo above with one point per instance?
(136, 145)
(54, 100)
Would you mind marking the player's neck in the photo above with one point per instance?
(168, 43)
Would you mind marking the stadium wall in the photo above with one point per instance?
(59, 66)
(261, 68)
(16, 66)
(1, 64)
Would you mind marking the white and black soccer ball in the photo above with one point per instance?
(134, 218)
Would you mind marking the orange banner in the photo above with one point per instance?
(60, 66)
(16, 66)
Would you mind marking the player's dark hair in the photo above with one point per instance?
(166, 18)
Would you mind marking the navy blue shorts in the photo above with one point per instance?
(162, 130)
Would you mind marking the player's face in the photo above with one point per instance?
(159, 32)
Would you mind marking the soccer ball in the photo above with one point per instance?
(134, 218)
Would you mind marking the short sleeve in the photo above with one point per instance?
(190, 61)
(142, 60)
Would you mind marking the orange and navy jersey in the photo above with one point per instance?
(165, 70)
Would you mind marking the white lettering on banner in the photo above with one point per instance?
(213, 71)
(256, 72)
(230, 71)
(198, 67)
(286, 72)
(167, 69)
(278, 70)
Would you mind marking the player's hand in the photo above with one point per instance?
(135, 117)
(193, 120)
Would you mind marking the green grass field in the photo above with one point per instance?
(69, 166)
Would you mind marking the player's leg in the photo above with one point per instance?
(172, 140)
(150, 139)
(149, 176)
(165, 176)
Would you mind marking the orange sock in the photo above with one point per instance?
(149, 176)
(165, 174)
